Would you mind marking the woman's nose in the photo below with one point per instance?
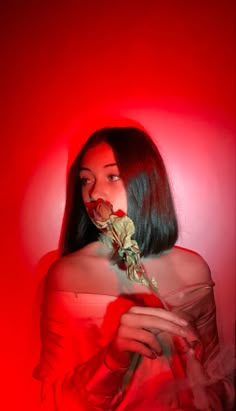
(97, 191)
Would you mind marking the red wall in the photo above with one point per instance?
(69, 68)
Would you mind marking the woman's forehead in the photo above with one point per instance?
(101, 154)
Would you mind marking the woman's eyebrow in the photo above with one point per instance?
(105, 166)
(110, 165)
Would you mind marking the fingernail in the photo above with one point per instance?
(155, 354)
(191, 336)
(183, 322)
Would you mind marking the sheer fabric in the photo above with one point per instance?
(76, 330)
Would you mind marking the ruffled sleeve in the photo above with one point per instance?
(209, 369)
(74, 373)
(217, 362)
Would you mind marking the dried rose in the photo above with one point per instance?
(102, 211)
(117, 229)
(120, 213)
(99, 210)
(124, 229)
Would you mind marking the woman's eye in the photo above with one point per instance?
(113, 177)
(84, 181)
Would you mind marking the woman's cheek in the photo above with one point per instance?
(85, 194)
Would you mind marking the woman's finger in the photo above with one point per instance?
(144, 336)
(152, 323)
(160, 313)
(123, 344)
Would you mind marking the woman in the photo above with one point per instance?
(119, 332)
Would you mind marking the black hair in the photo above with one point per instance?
(150, 203)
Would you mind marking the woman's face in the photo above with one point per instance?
(100, 177)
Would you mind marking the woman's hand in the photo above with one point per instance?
(137, 329)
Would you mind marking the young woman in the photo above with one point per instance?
(119, 332)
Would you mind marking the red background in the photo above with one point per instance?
(70, 67)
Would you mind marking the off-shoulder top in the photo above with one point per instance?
(77, 328)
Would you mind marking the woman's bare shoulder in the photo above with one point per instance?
(64, 272)
(191, 266)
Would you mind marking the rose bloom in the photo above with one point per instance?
(99, 210)
(102, 211)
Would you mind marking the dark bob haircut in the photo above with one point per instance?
(150, 203)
